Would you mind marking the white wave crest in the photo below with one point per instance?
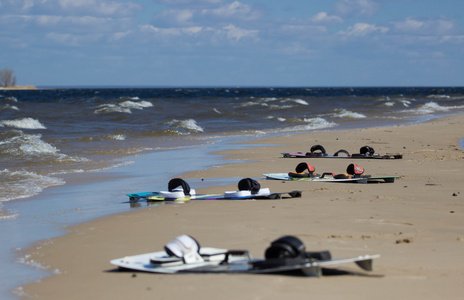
(12, 99)
(392, 103)
(117, 137)
(184, 126)
(346, 114)
(270, 99)
(439, 96)
(136, 105)
(130, 98)
(405, 102)
(431, 107)
(312, 124)
(123, 107)
(111, 108)
(299, 101)
(31, 144)
(251, 103)
(191, 125)
(23, 123)
(280, 119)
(8, 106)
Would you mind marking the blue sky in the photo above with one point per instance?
(233, 43)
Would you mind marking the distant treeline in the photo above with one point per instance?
(7, 78)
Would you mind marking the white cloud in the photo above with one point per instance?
(323, 17)
(72, 39)
(112, 8)
(98, 7)
(426, 27)
(182, 16)
(87, 21)
(239, 33)
(230, 32)
(363, 29)
(119, 36)
(215, 16)
(172, 31)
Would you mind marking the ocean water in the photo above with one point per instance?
(48, 135)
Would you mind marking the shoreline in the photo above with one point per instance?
(255, 220)
(19, 87)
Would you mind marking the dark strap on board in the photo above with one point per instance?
(285, 247)
(318, 148)
(353, 169)
(301, 167)
(367, 150)
(342, 151)
(248, 184)
(176, 182)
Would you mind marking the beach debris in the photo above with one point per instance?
(404, 241)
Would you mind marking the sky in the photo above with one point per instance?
(224, 43)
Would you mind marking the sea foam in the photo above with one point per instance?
(27, 144)
(346, 114)
(22, 184)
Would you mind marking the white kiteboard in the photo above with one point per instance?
(190, 258)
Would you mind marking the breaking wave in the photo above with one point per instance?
(11, 107)
(346, 114)
(29, 144)
(23, 123)
(311, 124)
(182, 127)
(433, 107)
(123, 107)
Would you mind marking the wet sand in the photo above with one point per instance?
(416, 224)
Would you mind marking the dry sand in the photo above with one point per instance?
(416, 224)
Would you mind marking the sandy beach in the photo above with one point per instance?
(416, 224)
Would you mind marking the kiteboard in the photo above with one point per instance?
(184, 255)
(139, 196)
(354, 174)
(366, 152)
(330, 178)
(233, 195)
(179, 190)
(322, 178)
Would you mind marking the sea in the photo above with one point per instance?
(56, 142)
